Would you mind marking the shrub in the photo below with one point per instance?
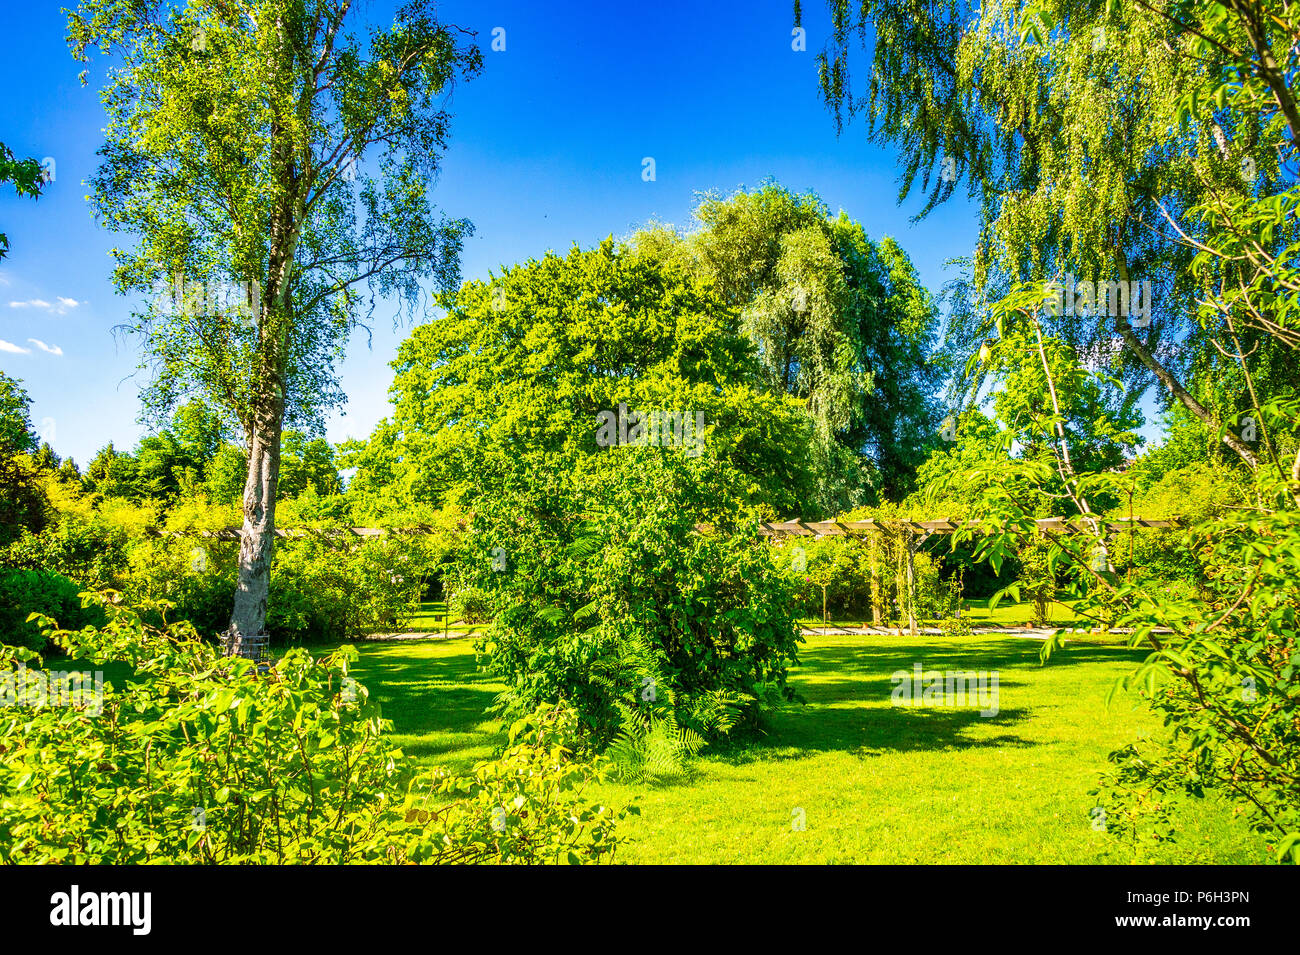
(470, 604)
(24, 592)
(194, 577)
(92, 552)
(834, 568)
(1225, 676)
(329, 589)
(608, 597)
(1037, 580)
(934, 596)
(322, 588)
(200, 759)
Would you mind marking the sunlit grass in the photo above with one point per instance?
(432, 619)
(875, 782)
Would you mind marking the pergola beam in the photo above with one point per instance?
(795, 527)
(944, 525)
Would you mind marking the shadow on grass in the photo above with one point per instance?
(997, 654)
(868, 731)
(441, 700)
(849, 706)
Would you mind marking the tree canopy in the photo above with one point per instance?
(531, 358)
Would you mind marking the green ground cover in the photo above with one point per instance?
(875, 782)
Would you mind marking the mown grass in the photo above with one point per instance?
(432, 618)
(875, 782)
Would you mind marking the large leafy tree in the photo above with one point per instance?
(168, 463)
(22, 501)
(1120, 141)
(530, 359)
(235, 147)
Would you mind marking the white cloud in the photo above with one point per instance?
(61, 305)
(51, 349)
(13, 349)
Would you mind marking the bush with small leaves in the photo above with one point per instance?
(23, 592)
(196, 758)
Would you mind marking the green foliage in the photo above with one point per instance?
(470, 604)
(16, 435)
(195, 576)
(934, 597)
(24, 592)
(23, 503)
(652, 748)
(302, 219)
(838, 320)
(1188, 184)
(27, 178)
(604, 594)
(1193, 494)
(275, 163)
(1037, 580)
(1222, 669)
(200, 759)
(191, 457)
(1233, 699)
(834, 567)
(226, 474)
(307, 465)
(328, 584)
(94, 552)
(533, 357)
(866, 577)
(955, 627)
(326, 590)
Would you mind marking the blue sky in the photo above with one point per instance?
(546, 150)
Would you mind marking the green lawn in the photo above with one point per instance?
(432, 618)
(1008, 613)
(876, 782)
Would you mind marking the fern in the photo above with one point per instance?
(652, 749)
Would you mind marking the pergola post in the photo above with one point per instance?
(909, 543)
(874, 550)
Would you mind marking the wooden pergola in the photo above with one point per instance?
(914, 533)
(943, 525)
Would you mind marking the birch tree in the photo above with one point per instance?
(273, 160)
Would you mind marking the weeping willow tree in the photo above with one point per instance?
(1069, 123)
(282, 149)
(837, 319)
